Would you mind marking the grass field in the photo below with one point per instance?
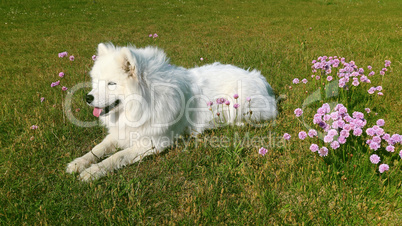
(197, 181)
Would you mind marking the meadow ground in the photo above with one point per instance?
(199, 181)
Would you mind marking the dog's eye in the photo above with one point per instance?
(111, 83)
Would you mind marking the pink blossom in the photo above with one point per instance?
(332, 132)
(34, 127)
(227, 102)
(328, 139)
(390, 148)
(370, 131)
(329, 78)
(369, 67)
(94, 57)
(61, 74)
(286, 136)
(344, 133)
(357, 132)
(367, 110)
(335, 145)
(371, 90)
(302, 135)
(298, 112)
(295, 81)
(72, 58)
(378, 88)
(400, 154)
(374, 146)
(312, 133)
(380, 122)
(64, 88)
(248, 99)
(314, 148)
(380, 94)
(201, 59)
(55, 84)
(382, 72)
(383, 167)
(155, 35)
(342, 139)
(304, 81)
(262, 151)
(375, 159)
(63, 54)
(210, 103)
(236, 106)
(387, 63)
(377, 139)
(236, 96)
(42, 99)
(323, 151)
(150, 35)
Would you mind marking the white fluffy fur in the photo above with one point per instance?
(159, 101)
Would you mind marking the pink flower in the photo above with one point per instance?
(34, 127)
(369, 67)
(400, 154)
(329, 78)
(390, 148)
(323, 151)
(298, 112)
(302, 135)
(378, 88)
(220, 100)
(344, 133)
(286, 136)
(371, 90)
(201, 59)
(227, 102)
(383, 167)
(387, 63)
(61, 74)
(64, 88)
(295, 81)
(94, 57)
(332, 132)
(374, 146)
(55, 84)
(335, 145)
(328, 139)
(42, 99)
(304, 81)
(367, 110)
(262, 151)
(236, 96)
(370, 131)
(380, 94)
(155, 35)
(63, 54)
(248, 99)
(342, 139)
(375, 159)
(314, 148)
(312, 133)
(357, 132)
(236, 106)
(72, 58)
(377, 139)
(210, 103)
(150, 35)
(380, 122)
(382, 72)
(371, 73)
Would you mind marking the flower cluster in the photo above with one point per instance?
(347, 72)
(153, 35)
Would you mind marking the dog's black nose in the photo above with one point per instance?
(89, 98)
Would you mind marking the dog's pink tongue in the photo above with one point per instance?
(97, 112)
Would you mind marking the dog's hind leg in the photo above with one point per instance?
(108, 145)
(120, 159)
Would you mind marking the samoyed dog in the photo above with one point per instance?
(146, 103)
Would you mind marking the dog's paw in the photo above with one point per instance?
(92, 173)
(77, 166)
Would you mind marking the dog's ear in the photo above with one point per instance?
(128, 62)
(102, 49)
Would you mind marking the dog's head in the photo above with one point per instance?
(114, 76)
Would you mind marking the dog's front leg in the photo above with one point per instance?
(120, 159)
(108, 145)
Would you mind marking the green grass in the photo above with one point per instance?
(202, 183)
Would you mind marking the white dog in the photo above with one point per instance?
(145, 103)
